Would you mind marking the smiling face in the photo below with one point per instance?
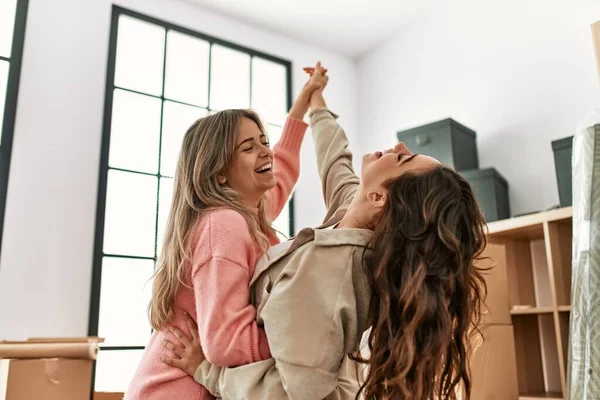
(251, 172)
(381, 167)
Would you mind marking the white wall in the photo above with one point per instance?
(520, 73)
(45, 270)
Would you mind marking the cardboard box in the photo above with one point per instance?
(47, 368)
(45, 379)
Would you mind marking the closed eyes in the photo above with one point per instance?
(400, 155)
(249, 149)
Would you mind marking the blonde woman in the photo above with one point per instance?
(229, 185)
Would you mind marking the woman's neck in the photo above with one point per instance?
(252, 204)
(359, 215)
(348, 221)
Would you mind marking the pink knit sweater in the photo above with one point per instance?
(222, 265)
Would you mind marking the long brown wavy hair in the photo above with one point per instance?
(427, 291)
(208, 150)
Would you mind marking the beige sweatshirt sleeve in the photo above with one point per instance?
(262, 380)
(309, 318)
(334, 160)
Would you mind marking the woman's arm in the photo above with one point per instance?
(263, 380)
(226, 319)
(308, 338)
(286, 166)
(286, 153)
(258, 380)
(334, 159)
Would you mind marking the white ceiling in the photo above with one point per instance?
(350, 27)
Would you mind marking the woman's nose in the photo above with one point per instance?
(402, 148)
(266, 151)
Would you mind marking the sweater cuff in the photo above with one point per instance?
(293, 133)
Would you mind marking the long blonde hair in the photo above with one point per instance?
(207, 151)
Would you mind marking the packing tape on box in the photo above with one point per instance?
(52, 368)
(85, 351)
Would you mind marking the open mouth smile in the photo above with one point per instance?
(265, 168)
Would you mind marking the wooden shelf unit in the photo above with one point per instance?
(532, 310)
(544, 395)
(532, 257)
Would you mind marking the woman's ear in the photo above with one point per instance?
(377, 198)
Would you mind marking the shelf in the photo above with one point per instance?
(496, 305)
(528, 273)
(528, 226)
(535, 271)
(559, 236)
(527, 232)
(545, 395)
(531, 310)
(538, 364)
(494, 365)
(563, 330)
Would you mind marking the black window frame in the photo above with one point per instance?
(10, 105)
(117, 11)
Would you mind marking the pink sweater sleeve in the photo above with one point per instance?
(226, 320)
(286, 166)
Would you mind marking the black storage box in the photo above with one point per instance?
(563, 154)
(491, 191)
(448, 141)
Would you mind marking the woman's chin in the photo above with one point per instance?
(268, 180)
(272, 183)
(266, 184)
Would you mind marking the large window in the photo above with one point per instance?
(161, 78)
(13, 14)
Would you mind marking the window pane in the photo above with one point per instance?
(140, 55)
(269, 89)
(177, 118)
(282, 223)
(124, 298)
(229, 79)
(186, 78)
(3, 82)
(134, 133)
(274, 132)
(8, 9)
(115, 368)
(130, 214)
(164, 206)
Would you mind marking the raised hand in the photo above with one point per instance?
(318, 76)
(317, 81)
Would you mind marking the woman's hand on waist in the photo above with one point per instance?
(187, 354)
